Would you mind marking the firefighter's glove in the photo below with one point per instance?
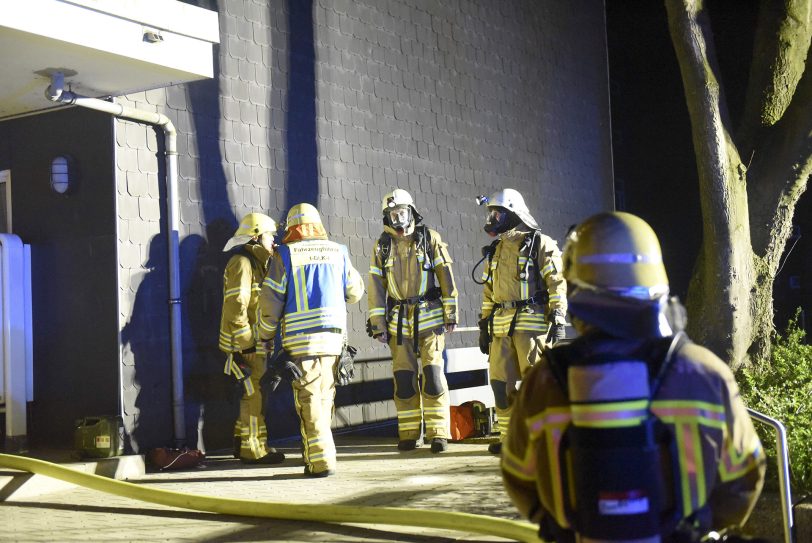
(557, 332)
(240, 368)
(558, 329)
(345, 369)
(370, 332)
(283, 367)
(484, 336)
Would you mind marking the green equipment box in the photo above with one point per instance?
(99, 437)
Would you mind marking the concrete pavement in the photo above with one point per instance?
(371, 472)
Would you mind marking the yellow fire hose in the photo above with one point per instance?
(350, 514)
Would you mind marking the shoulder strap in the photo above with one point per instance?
(530, 247)
(675, 343)
(422, 240)
(256, 265)
(385, 245)
(428, 249)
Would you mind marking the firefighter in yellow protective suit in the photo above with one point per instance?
(305, 293)
(524, 303)
(412, 303)
(630, 432)
(239, 335)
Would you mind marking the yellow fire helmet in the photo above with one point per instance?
(302, 214)
(618, 252)
(251, 226)
(616, 278)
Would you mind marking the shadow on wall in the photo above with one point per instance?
(302, 166)
(146, 367)
(212, 403)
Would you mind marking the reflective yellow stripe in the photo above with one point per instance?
(280, 287)
(733, 463)
(524, 287)
(232, 292)
(374, 270)
(300, 285)
(610, 414)
(391, 284)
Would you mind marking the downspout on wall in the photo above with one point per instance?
(56, 93)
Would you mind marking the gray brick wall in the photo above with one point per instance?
(447, 100)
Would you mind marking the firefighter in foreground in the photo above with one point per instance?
(630, 432)
(306, 292)
(239, 333)
(524, 303)
(412, 303)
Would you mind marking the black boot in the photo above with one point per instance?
(439, 444)
(409, 444)
(272, 457)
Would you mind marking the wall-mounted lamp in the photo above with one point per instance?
(152, 36)
(63, 174)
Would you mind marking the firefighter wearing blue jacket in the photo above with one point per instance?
(631, 432)
(304, 297)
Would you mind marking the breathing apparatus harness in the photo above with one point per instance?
(613, 501)
(530, 247)
(422, 241)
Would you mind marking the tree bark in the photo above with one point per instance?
(719, 294)
(747, 215)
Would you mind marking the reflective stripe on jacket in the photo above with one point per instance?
(307, 290)
(242, 281)
(721, 463)
(404, 275)
(505, 284)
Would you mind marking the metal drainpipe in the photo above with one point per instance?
(56, 93)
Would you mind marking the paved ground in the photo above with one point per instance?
(371, 472)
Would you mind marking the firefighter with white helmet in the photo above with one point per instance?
(412, 303)
(239, 335)
(304, 298)
(630, 432)
(524, 300)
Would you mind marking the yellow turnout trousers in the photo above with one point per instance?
(313, 395)
(432, 401)
(250, 426)
(509, 360)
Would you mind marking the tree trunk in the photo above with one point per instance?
(719, 294)
(730, 304)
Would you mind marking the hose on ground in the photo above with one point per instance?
(353, 514)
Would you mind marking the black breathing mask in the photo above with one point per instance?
(499, 220)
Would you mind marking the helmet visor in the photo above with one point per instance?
(496, 220)
(399, 216)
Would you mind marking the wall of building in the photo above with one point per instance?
(73, 266)
(336, 102)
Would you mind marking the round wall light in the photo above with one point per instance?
(63, 174)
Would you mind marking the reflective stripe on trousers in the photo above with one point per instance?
(250, 426)
(434, 409)
(313, 395)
